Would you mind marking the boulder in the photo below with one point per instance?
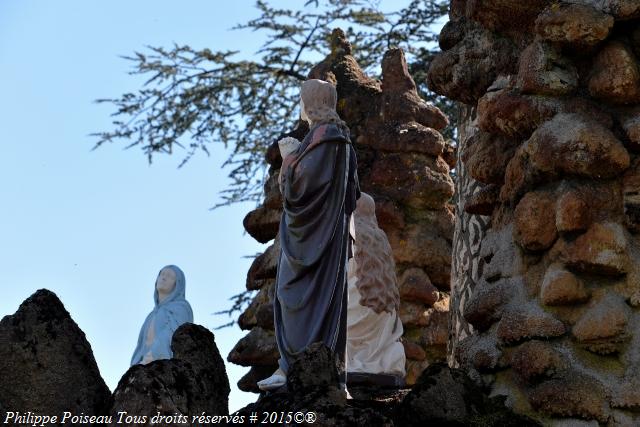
(534, 225)
(47, 363)
(313, 389)
(574, 25)
(417, 180)
(526, 322)
(257, 348)
(487, 156)
(262, 223)
(535, 360)
(193, 382)
(544, 71)
(602, 249)
(561, 287)
(471, 60)
(572, 395)
(602, 327)
(573, 144)
(483, 201)
(416, 286)
(479, 352)
(615, 76)
(448, 397)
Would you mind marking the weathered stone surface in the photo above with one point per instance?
(561, 287)
(309, 369)
(405, 137)
(435, 335)
(260, 310)
(534, 360)
(487, 303)
(571, 144)
(510, 16)
(602, 249)
(447, 397)
(413, 314)
(413, 351)
(573, 395)
(567, 145)
(479, 352)
(534, 224)
(572, 106)
(573, 212)
(192, 382)
(400, 99)
(624, 9)
(264, 266)
(249, 382)
(416, 286)
(47, 364)
(615, 76)
(417, 180)
(449, 154)
(257, 348)
(573, 25)
(389, 215)
(263, 223)
(423, 246)
(196, 345)
(414, 369)
(312, 385)
(602, 327)
(487, 156)
(503, 257)
(627, 394)
(273, 198)
(581, 202)
(526, 322)
(544, 71)
(471, 61)
(507, 112)
(484, 201)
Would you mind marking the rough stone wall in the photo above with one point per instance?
(556, 86)
(404, 163)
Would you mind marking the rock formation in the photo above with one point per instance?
(47, 366)
(48, 369)
(401, 164)
(441, 397)
(554, 89)
(193, 382)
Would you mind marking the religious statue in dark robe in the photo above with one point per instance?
(320, 187)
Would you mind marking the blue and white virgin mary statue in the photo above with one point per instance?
(171, 310)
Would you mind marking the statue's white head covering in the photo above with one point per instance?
(318, 101)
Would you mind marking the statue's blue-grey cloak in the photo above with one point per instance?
(320, 186)
(166, 317)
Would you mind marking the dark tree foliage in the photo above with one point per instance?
(195, 97)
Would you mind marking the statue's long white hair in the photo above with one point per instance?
(375, 268)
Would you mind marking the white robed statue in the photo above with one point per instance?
(375, 354)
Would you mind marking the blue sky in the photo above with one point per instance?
(96, 226)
